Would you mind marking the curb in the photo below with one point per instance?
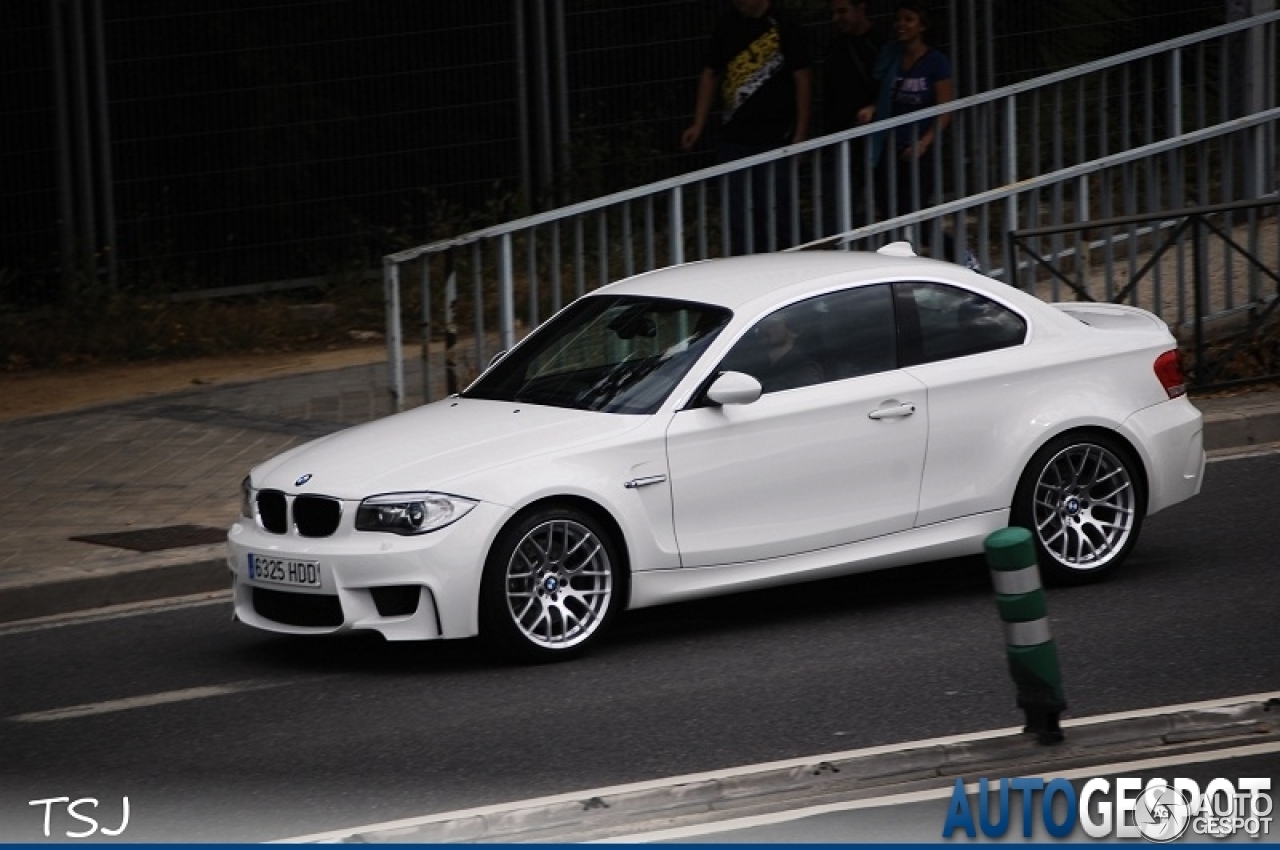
(139, 581)
(932, 766)
(1249, 424)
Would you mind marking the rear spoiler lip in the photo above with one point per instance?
(1105, 316)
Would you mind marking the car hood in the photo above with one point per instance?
(436, 447)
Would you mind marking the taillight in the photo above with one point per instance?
(1169, 373)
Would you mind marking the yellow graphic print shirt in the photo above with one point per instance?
(747, 72)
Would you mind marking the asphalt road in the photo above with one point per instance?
(303, 736)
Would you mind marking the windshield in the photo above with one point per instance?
(615, 354)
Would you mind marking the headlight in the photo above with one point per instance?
(246, 498)
(411, 513)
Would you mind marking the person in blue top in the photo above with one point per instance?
(913, 76)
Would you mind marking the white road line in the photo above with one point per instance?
(185, 695)
(115, 612)
(754, 821)
(1203, 705)
(747, 770)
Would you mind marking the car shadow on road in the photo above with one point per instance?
(365, 654)
(808, 602)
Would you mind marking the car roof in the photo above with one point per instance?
(735, 282)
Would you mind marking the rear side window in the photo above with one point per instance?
(940, 322)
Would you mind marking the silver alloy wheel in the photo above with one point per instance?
(1084, 506)
(559, 583)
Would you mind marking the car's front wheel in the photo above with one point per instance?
(1082, 497)
(551, 584)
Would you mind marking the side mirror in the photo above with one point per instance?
(734, 388)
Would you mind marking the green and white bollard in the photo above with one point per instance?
(1033, 656)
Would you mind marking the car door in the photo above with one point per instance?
(969, 351)
(832, 460)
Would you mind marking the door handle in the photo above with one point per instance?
(896, 411)
(637, 483)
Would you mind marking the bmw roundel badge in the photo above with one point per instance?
(303, 480)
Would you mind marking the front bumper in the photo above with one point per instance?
(405, 588)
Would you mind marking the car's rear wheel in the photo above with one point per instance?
(1082, 497)
(551, 585)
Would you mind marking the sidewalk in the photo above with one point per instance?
(165, 473)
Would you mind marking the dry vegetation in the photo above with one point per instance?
(113, 328)
(1249, 358)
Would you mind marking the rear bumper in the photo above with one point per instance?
(1170, 436)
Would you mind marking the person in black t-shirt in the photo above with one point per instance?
(848, 68)
(757, 59)
(848, 85)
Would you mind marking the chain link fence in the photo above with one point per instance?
(173, 146)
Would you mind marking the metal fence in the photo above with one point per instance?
(186, 145)
(1151, 130)
(1223, 258)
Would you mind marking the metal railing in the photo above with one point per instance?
(1234, 292)
(1140, 133)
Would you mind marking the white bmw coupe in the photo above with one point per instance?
(721, 426)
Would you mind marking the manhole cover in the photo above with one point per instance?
(156, 539)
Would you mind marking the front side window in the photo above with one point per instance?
(941, 322)
(616, 354)
(828, 338)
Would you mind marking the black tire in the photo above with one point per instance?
(1082, 497)
(552, 584)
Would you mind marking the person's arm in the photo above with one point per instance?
(946, 92)
(706, 94)
(885, 69)
(804, 94)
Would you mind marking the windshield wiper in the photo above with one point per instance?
(620, 378)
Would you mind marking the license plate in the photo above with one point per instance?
(284, 571)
